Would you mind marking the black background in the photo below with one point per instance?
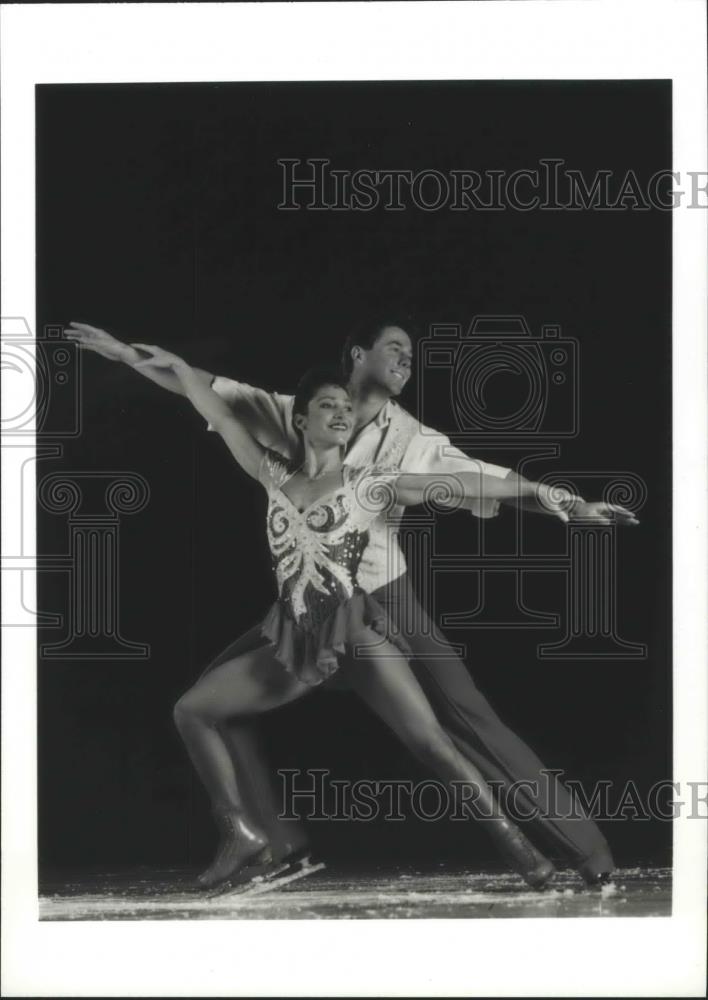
(158, 220)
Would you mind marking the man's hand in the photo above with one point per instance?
(162, 368)
(601, 513)
(100, 342)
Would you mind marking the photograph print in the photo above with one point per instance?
(354, 510)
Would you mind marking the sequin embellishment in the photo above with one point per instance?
(316, 552)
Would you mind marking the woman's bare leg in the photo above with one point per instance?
(240, 688)
(382, 677)
(261, 791)
(258, 786)
(245, 686)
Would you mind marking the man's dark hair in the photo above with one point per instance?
(310, 384)
(367, 332)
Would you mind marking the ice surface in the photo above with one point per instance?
(329, 894)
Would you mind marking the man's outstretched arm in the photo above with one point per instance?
(92, 338)
(433, 453)
(266, 415)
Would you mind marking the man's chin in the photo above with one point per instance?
(391, 385)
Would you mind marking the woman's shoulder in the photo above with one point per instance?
(275, 468)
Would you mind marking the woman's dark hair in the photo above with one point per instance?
(310, 384)
(366, 333)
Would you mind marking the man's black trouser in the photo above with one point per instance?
(559, 825)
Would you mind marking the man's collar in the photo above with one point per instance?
(385, 414)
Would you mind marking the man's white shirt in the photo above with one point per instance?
(393, 442)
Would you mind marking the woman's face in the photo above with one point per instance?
(329, 419)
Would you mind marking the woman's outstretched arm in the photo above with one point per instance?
(266, 415)
(209, 404)
(92, 338)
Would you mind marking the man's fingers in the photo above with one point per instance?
(82, 340)
(89, 345)
(620, 510)
(606, 514)
(622, 514)
(90, 336)
(85, 328)
(603, 519)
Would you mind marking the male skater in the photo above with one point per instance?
(377, 360)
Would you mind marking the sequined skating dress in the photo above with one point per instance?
(316, 552)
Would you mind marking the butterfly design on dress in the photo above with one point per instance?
(314, 548)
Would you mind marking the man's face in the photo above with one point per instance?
(388, 362)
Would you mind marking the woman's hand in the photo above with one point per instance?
(159, 358)
(162, 368)
(92, 338)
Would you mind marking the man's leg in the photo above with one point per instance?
(485, 740)
(261, 791)
(382, 676)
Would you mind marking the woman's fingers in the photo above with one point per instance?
(153, 363)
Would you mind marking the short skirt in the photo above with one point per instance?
(312, 655)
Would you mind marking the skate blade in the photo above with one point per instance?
(242, 879)
(275, 880)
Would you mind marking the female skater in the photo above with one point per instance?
(318, 513)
